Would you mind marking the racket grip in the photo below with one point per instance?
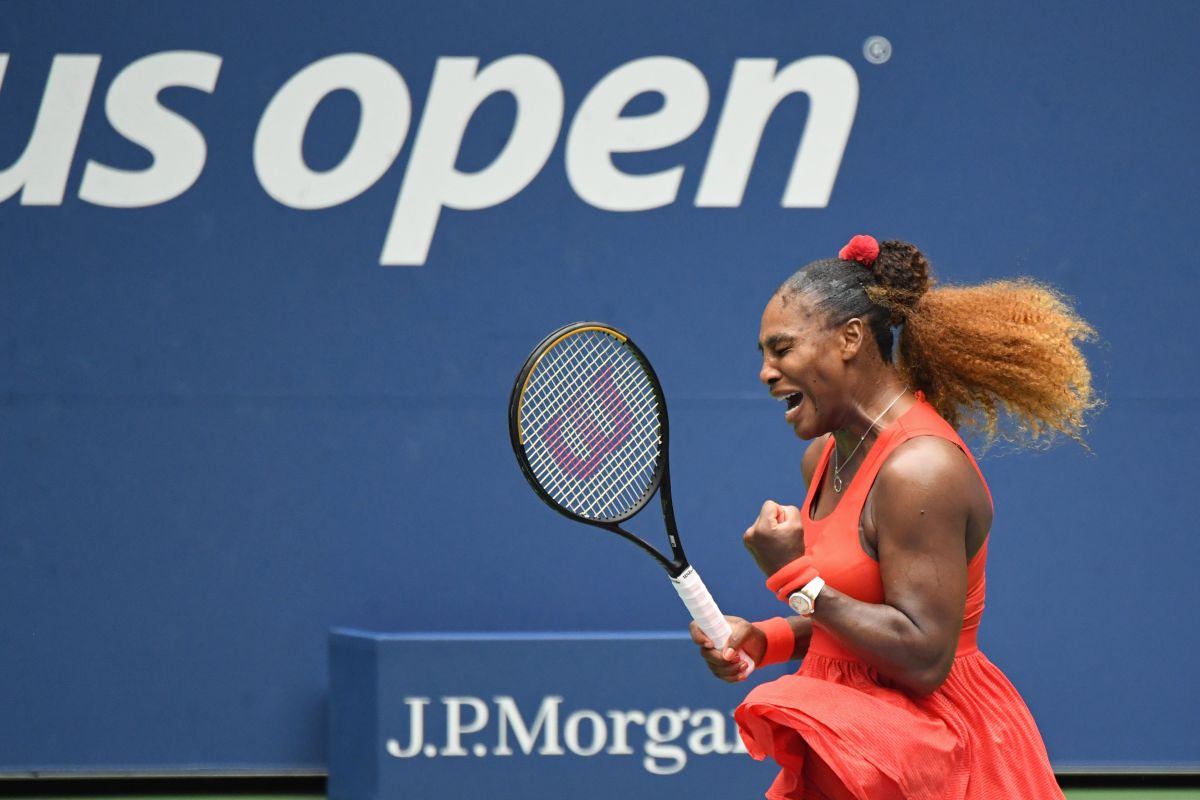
(700, 603)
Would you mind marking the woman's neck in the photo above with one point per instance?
(867, 414)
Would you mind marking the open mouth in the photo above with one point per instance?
(793, 402)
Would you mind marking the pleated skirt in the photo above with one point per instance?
(838, 731)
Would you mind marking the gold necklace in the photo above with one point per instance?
(837, 477)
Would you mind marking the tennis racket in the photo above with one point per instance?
(588, 424)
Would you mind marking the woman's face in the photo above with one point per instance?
(801, 363)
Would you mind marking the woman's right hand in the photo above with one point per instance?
(776, 538)
(726, 664)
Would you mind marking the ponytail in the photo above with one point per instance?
(1001, 358)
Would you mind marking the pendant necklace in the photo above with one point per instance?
(837, 477)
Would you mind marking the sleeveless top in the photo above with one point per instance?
(841, 560)
(839, 730)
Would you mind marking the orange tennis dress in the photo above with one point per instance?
(971, 738)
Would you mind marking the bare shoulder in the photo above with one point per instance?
(812, 456)
(927, 461)
(929, 477)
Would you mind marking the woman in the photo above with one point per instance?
(885, 560)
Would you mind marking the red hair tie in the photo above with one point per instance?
(862, 248)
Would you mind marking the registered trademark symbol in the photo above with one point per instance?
(877, 49)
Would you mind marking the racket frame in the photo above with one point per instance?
(691, 589)
(661, 480)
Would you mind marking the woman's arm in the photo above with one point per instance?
(726, 664)
(921, 505)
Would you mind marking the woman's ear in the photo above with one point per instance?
(850, 337)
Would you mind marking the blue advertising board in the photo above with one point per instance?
(531, 716)
(268, 270)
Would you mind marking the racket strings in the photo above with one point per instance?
(611, 402)
(590, 424)
(625, 386)
(625, 487)
(559, 371)
(569, 372)
(621, 488)
(628, 485)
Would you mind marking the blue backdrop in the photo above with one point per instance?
(226, 425)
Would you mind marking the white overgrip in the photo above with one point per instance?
(700, 603)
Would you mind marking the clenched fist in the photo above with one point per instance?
(776, 538)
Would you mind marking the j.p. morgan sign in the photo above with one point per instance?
(586, 716)
(664, 738)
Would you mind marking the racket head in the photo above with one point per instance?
(588, 424)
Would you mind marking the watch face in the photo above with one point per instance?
(800, 603)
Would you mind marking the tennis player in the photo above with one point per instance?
(883, 564)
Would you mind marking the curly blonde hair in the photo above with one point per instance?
(1002, 358)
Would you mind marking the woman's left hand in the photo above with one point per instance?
(776, 538)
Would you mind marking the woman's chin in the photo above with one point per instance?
(808, 426)
(805, 429)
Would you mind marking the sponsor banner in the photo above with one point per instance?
(532, 716)
(599, 129)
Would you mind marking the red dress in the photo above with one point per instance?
(971, 738)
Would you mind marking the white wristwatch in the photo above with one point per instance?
(804, 602)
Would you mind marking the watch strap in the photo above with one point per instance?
(813, 588)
